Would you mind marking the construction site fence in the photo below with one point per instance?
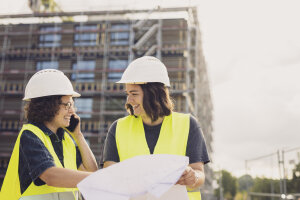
(273, 196)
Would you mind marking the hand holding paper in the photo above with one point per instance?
(140, 178)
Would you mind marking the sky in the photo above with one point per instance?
(252, 51)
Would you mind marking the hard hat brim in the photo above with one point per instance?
(74, 94)
(146, 69)
(130, 82)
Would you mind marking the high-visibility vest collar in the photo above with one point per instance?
(131, 140)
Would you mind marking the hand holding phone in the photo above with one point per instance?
(73, 123)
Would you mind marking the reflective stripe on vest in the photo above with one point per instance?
(131, 140)
(11, 184)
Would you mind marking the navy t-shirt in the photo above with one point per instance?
(196, 148)
(34, 157)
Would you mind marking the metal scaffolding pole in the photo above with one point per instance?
(104, 79)
(53, 46)
(197, 74)
(27, 67)
(159, 39)
(5, 45)
(131, 56)
(98, 13)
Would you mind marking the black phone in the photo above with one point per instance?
(73, 123)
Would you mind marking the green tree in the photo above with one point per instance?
(245, 183)
(265, 185)
(229, 185)
(294, 183)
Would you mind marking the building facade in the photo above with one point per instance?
(93, 53)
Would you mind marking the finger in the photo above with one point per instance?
(190, 174)
(181, 182)
(186, 171)
(181, 178)
(190, 180)
(76, 116)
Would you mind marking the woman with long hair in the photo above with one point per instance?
(153, 127)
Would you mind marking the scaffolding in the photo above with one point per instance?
(93, 54)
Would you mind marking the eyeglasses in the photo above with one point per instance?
(68, 106)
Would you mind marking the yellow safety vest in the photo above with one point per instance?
(131, 139)
(11, 184)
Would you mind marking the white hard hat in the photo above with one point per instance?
(48, 82)
(144, 70)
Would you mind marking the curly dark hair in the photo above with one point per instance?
(42, 109)
(156, 102)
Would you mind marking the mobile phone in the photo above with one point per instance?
(73, 123)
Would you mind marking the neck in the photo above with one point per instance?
(147, 120)
(51, 127)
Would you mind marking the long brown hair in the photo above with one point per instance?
(156, 102)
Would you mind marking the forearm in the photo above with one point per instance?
(199, 176)
(108, 163)
(88, 159)
(193, 176)
(62, 177)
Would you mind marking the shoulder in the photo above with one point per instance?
(194, 122)
(112, 129)
(30, 141)
(120, 122)
(126, 119)
(114, 124)
(32, 135)
(180, 116)
(28, 135)
(31, 129)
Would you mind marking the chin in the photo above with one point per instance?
(137, 114)
(65, 125)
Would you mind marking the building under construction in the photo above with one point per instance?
(93, 49)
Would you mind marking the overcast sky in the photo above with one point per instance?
(252, 51)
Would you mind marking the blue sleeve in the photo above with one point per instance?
(110, 152)
(196, 147)
(35, 155)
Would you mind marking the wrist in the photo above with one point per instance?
(78, 137)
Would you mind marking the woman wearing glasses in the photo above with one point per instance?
(47, 162)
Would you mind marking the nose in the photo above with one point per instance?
(72, 109)
(129, 99)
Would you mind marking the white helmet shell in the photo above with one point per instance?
(144, 70)
(48, 82)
